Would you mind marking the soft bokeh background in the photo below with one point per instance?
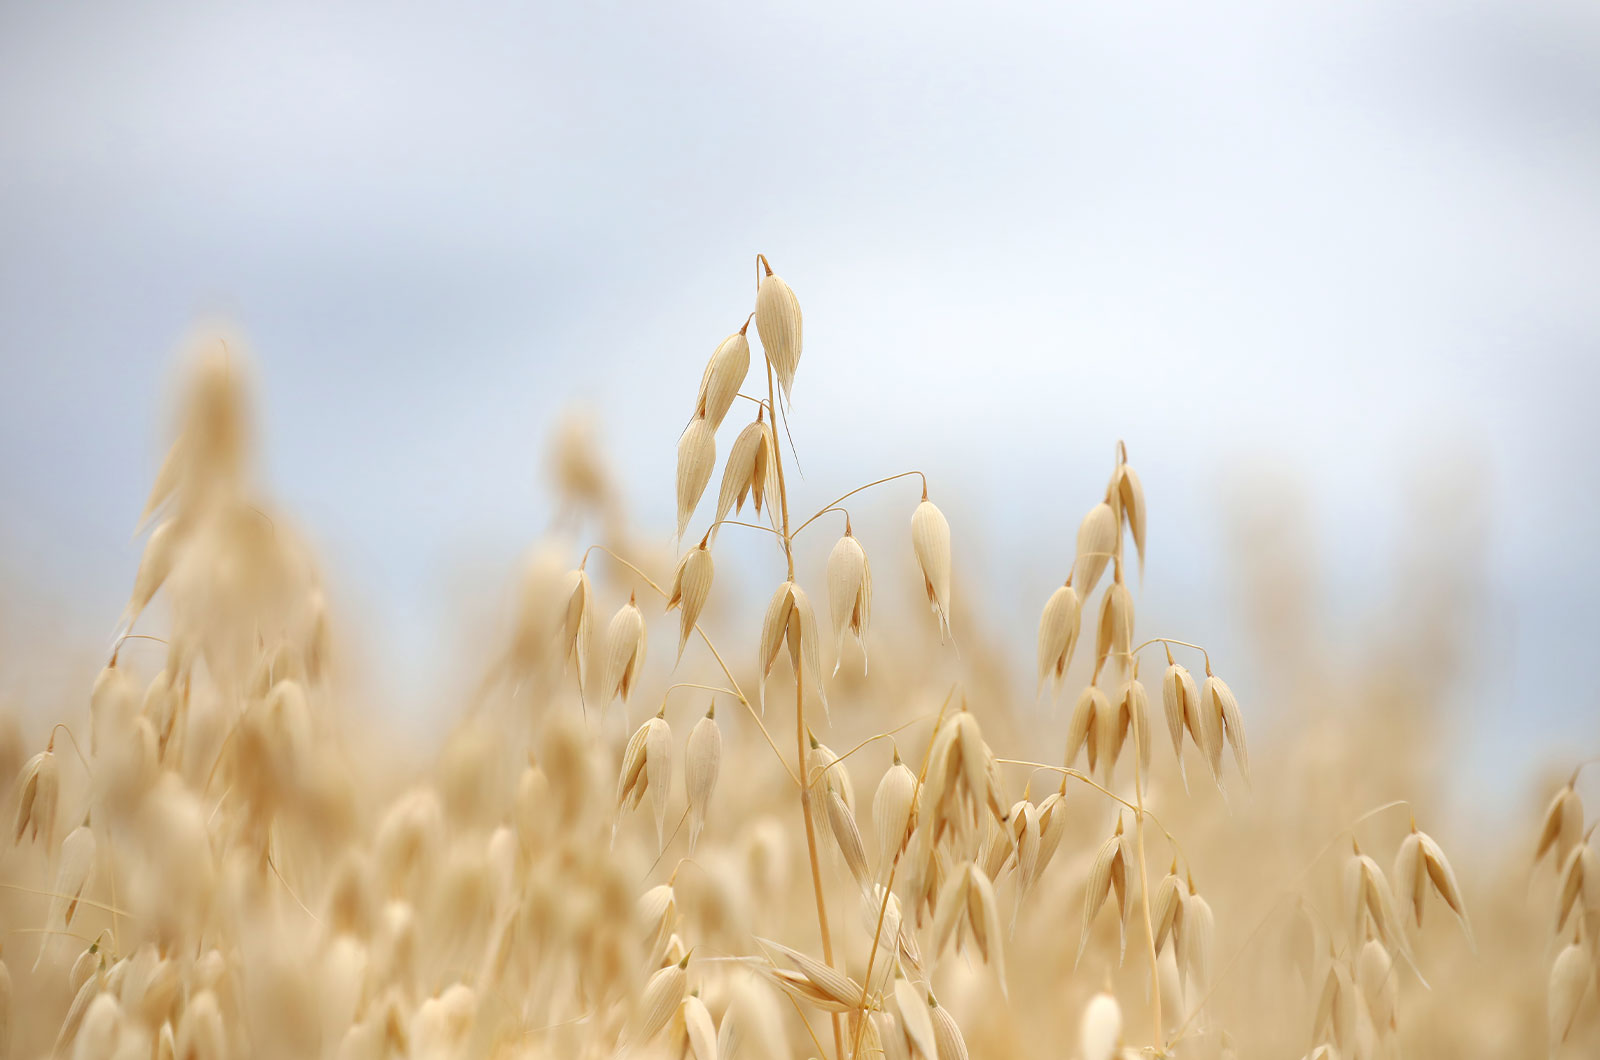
(1331, 260)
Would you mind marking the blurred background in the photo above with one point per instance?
(1328, 269)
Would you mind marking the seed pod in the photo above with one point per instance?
(1052, 815)
(72, 876)
(915, 1019)
(1199, 934)
(723, 377)
(779, 325)
(817, 983)
(691, 585)
(1580, 876)
(791, 620)
(1114, 632)
(1419, 863)
(1569, 982)
(751, 467)
(160, 552)
(1217, 700)
(1058, 635)
(697, 455)
(1086, 726)
(693, 1034)
(37, 792)
(1133, 709)
(893, 807)
(930, 540)
(1380, 987)
(1181, 702)
(1107, 875)
(1167, 911)
(842, 824)
(625, 648)
(946, 1034)
(1366, 893)
(576, 623)
(1129, 495)
(1097, 543)
(1101, 1028)
(661, 998)
(702, 759)
(112, 705)
(1563, 824)
(647, 769)
(849, 594)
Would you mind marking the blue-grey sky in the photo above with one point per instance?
(1352, 244)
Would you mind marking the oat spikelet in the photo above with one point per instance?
(693, 1034)
(1100, 1030)
(1167, 910)
(647, 770)
(76, 863)
(1580, 879)
(1180, 700)
(1380, 986)
(38, 790)
(790, 620)
(625, 648)
(930, 540)
(1087, 725)
(1107, 875)
(1114, 632)
(697, 455)
(849, 594)
(1129, 495)
(842, 825)
(701, 763)
(1570, 977)
(1097, 542)
(915, 1018)
(946, 1033)
(1199, 938)
(1421, 864)
(779, 325)
(1058, 635)
(1563, 824)
(661, 998)
(1218, 702)
(893, 806)
(691, 585)
(723, 377)
(750, 469)
(576, 623)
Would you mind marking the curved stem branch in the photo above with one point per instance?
(858, 489)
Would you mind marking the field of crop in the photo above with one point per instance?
(843, 828)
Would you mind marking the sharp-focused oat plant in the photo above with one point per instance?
(607, 861)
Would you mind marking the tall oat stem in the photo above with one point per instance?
(800, 735)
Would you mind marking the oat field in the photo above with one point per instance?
(685, 814)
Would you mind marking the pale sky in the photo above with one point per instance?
(1352, 244)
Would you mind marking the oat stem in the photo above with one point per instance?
(878, 482)
(800, 729)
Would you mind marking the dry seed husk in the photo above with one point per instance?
(724, 375)
(892, 807)
(1114, 631)
(1130, 501)
(1421, 863)
(625, 648)
(849, 595)
(750, 469)
(647, 770)
(693, 1032)
(790, 620)
(1134, 702)
(842, 824)
(930, 540)
(778, 322)
(915, 1019)
(1569, 983)
(1085, 728)
(1199, 935)
(697, 455)
(1107, 873)
(1375, 974)
(701, 762)
(1563, 824)
(1058, 635)
(1168, 911)
(1218, 700)
(946, 1033)
(691, 585)
(661, 998)
(836, 987)
(1097, 542)
(1180, 700)
(1052, 815)
(38, 790)
(1580, 877)
(1100, 1029)
(76, 862)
